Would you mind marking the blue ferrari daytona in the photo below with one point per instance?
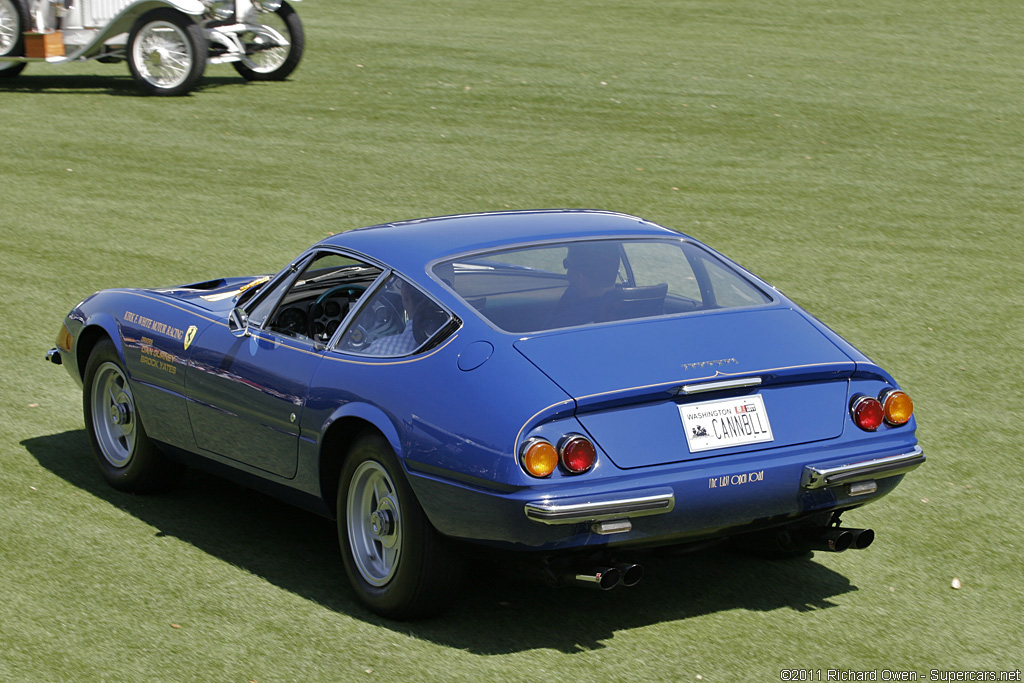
(563, 387)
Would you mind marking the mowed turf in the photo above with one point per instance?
(865, 157)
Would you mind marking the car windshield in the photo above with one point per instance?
(569, 284)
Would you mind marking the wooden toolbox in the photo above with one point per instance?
(43, 45)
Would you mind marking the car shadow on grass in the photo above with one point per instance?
(495, 613)
(117, 86)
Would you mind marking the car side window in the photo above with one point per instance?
(313, 303)
(398, 320)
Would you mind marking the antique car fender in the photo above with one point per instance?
(123, 22)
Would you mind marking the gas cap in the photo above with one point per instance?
(475, 355)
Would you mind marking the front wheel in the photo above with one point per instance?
(397, 563)
(267, 56)
(166, 52)
(13, 24)
(128, 460)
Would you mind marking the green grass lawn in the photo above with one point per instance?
(866, 157)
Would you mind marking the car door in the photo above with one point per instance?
(247, 392)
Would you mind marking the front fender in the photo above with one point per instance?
(95, 326)
(123, 22)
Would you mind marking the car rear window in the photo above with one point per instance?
(569, 284)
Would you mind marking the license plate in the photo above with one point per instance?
(725, 423)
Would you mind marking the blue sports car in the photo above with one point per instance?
(565, 387)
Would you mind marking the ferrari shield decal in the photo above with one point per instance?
(726, 422)
(190, 334)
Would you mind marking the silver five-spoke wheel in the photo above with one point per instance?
(398, 565)
(374, 523)
(127, 459)
(113, 415)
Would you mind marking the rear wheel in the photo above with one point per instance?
(13, 23)
(128, 460)
(397, 563)
(265, 58)
(166, 52)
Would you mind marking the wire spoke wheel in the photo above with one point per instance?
(273, 47)
(262, 54)
(166, 52)
(163, 54)
(10, 26)
(13, 23)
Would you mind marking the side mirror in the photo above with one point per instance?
(238, 322)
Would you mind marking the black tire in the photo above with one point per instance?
(401, 568)
(274, 64)
(127, 459)
(157, 33)
(14, 21)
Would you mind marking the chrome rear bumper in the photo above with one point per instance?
(576, 510)
(816, 477)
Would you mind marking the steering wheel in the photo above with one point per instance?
(381, 318)
(327, 312)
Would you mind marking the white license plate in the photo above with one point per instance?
(725, 423)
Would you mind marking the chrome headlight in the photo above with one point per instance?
(219, 10)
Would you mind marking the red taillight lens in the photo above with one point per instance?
(897, 406)
(867, 413)
(539, 458)
(577, 453)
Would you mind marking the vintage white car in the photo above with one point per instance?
(167, 43)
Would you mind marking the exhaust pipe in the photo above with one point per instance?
(862, 538)
(631, 573)
(833, 539)
(601, 578)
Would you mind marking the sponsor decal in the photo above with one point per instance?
(154, 357)
(154, 325)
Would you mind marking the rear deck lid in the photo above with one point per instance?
(649, 391)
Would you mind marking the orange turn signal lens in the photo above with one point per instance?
(539, 458)
(64, 340)
(898, 407)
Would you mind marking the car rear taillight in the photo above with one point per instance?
(867, 412)
(577, 453)
(538, 457)
(897, 406)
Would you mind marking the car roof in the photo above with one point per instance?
(410, 246)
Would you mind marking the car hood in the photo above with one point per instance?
(213, 295)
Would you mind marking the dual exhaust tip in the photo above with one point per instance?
(607, 578)
(836, 539)
(833, 539)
